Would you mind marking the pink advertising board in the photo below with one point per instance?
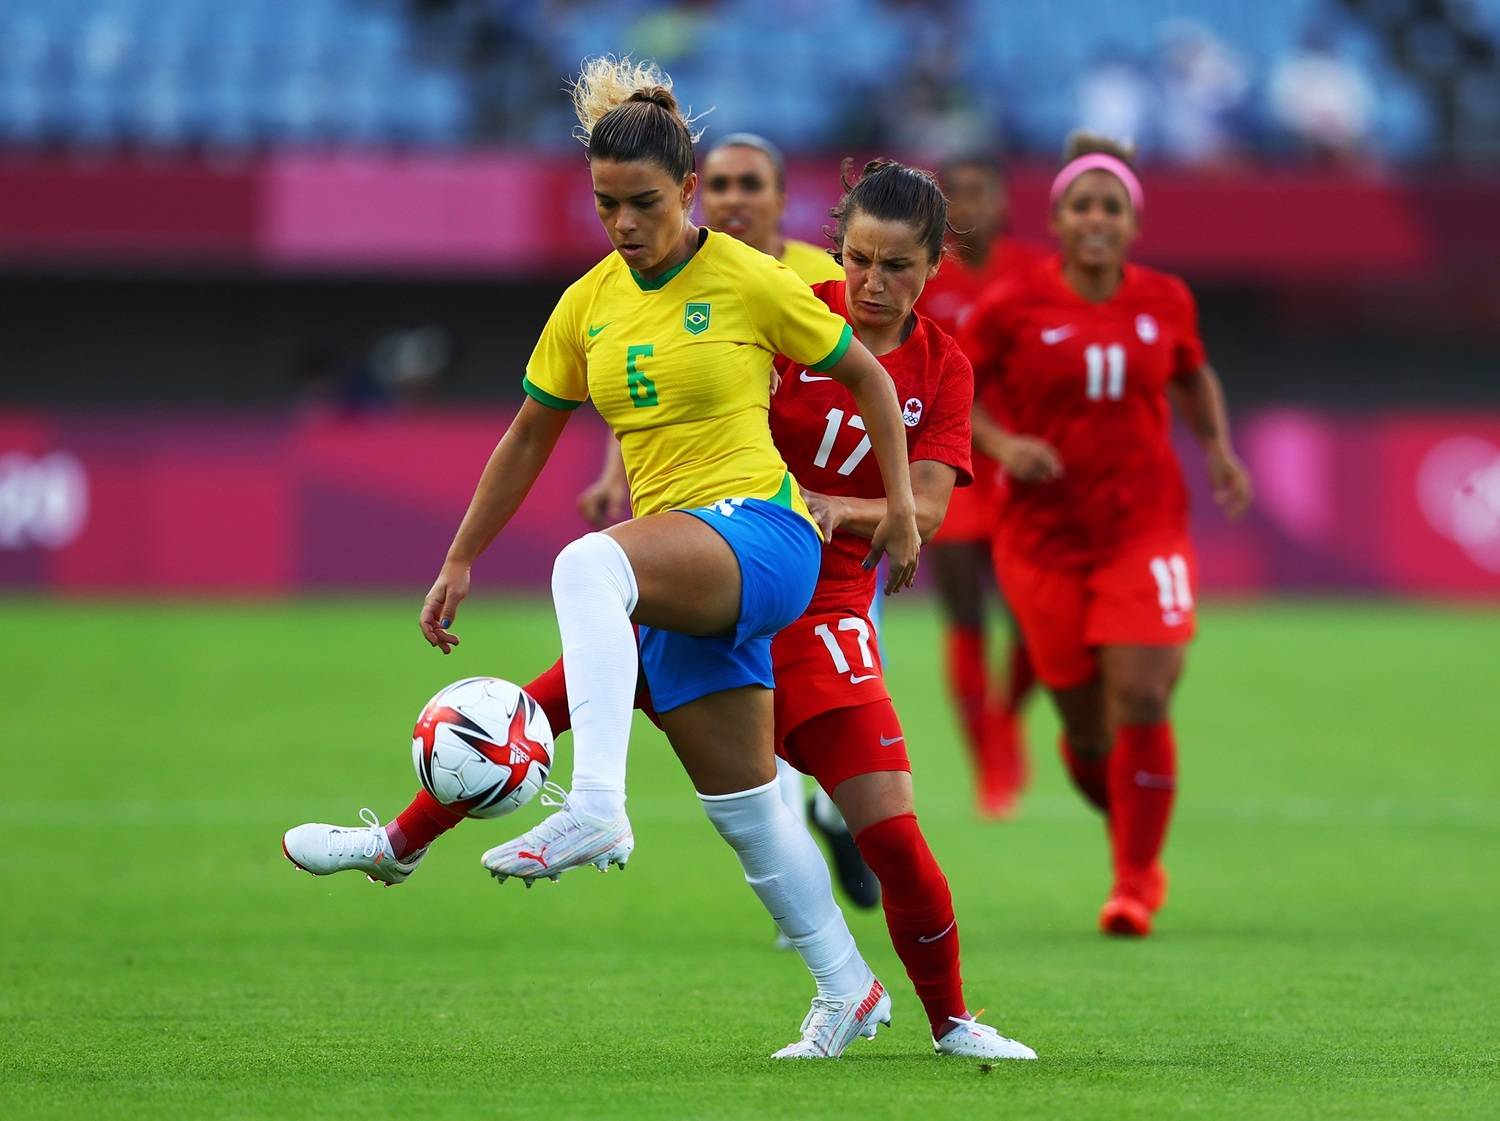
(487, 212)
(1402, 504)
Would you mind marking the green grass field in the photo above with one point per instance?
(1330, 949)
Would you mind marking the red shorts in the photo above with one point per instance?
(1143, 595)
(823, 661)
(846, 742)
(973, 510)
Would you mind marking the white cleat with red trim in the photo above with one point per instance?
(559, 843)
(969, 1039)
(831, 1025)
(325, 849)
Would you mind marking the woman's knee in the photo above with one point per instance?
(1141, 700)
(594, 560)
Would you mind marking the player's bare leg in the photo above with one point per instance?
(1086, 739)
(1138, 685)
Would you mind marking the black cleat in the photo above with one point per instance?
(854, 875)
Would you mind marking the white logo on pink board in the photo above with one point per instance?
(44, 500)
(1458, 488)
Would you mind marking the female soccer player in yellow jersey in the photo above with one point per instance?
(744, 195)
(673, 336)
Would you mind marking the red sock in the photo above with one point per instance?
(1142, 784)
(427, 819)
(421, 823)
(968, 686)
(549, 689)
(1091, 776)
(1020, 676)
(919, 913)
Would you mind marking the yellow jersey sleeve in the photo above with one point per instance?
(809, 262)
(557, 374)
(788, 319)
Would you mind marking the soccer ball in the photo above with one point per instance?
(483, 746)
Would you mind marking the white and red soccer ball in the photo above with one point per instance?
(483, 746)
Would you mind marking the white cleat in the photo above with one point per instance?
(831, 1025)
(559, 843)
(969, 1039)
(326, 849)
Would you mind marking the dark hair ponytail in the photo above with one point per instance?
(892, 192)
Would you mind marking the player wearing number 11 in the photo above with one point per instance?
(1075, 361)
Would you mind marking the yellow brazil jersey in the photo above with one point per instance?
(809, 262)
(680, 368)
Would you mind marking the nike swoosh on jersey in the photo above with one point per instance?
(1054, 335)
(855, 679)
(595, 330)
(887, 742)
(813, 377)
(935, 937)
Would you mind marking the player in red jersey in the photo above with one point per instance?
(834, 717)
(1077, 361)
(982, 251)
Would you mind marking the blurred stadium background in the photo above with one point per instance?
(269, 274)
(255, 255)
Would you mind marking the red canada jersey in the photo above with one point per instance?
(820, 434)
(949, 295)
(1091, 380)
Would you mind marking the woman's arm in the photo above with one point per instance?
(931, 485)
(875, 395)
(1199, 398)
(1026, 459)
(512, 468)
(606, 500)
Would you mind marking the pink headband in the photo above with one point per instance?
(1099, 161)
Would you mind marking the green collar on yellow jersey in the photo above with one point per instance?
(665, 278)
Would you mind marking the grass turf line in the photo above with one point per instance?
(1328, 950)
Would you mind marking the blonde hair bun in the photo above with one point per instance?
(606, 82)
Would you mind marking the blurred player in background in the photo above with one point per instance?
(672, 335)
(981, 252)
(744, 195)
(1078, 358)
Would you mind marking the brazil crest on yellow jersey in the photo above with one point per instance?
(680, 368)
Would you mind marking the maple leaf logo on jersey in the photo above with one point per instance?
(1145, 327)
(911, 412)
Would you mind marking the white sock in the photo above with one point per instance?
(789, 783)
(785, 869)
(827, 812)
(594, 592)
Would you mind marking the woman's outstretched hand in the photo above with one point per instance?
(440, 607)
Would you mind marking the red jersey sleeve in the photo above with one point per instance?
(1188, 354)
(947, 437)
